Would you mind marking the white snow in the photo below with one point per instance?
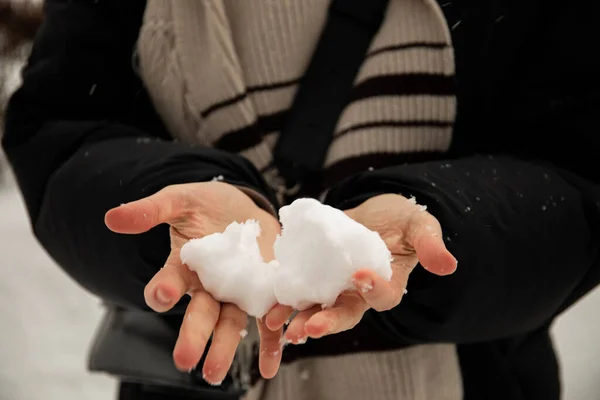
(318, 251)
(366, 288)
(47, 322)
(231, 269)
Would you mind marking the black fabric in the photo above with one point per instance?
(82, 137)
(495, 205)
(325, 90)
(520, 368)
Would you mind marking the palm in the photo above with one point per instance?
(402, 227)
(224, 204)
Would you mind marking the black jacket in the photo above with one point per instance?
(523, 219)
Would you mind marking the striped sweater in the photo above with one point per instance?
(224, 73)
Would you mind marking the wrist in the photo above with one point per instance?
(261, 201)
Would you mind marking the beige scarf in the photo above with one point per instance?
(217, 68)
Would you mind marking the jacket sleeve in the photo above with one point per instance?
(78, 147)
(526, 236)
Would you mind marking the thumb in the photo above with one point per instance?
(433, 255)
(425, 237)
(142, 215)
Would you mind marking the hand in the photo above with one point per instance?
(412, 236)
(195, 210)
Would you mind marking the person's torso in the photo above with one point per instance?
(517, 77)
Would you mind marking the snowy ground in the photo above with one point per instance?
(47, 322)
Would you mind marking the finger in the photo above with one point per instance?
(378, 293)
(434, 256)
(278, 316)
(200, 319)
(345, 314)
(226, 337)
(425, 237)
(169, 284)
(296, 332)
(270, 350)
(140, 216)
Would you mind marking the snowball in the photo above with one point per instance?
(317, 253)
(319, 250)
(231, 269)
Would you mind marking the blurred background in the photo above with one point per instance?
(47, 322)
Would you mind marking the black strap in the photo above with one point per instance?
(300, 152)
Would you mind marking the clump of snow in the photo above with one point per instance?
(319, 250)
(231, 269)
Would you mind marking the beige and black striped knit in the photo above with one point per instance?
(414, 373)
(224, 73)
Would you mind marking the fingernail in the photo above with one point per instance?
(162, 297)
(301, 340)
(211, 383)
(323, 328)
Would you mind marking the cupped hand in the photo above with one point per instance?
(412, 235)
(195, 210)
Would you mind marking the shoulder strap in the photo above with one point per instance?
(324, 90)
